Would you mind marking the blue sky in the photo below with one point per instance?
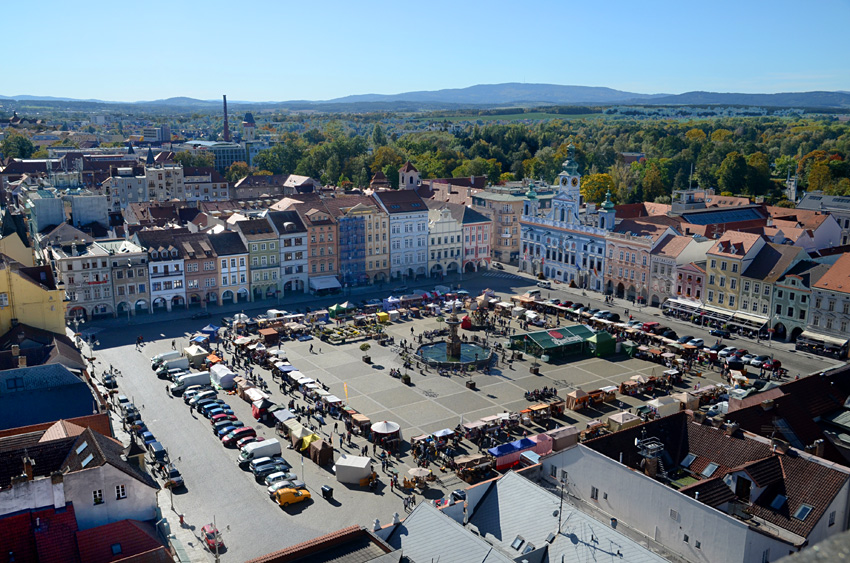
(280, 50)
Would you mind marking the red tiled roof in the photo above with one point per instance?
(408, 167)
(837, 278)
(134, 537)
(303, 551)
(671, 245)
(16, 537)
(54, 535)
(734, 243)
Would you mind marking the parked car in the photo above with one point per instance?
(697, 342)
(228, 427)
(647, 327)
(727, 351)
(201, 315)
(721, 332)
(147, 438)
(612, 317)
(294, 484)
(658, 329)
(592, 312)
(221, 417)
(402, 288)
(717, 348)
(212, 537)
(221, 409)
(748, 359)
(238, 434)
(740, 352)
(249, 440)
(109, 382)
(685, 339)
(567, 304)
(600, 314)
(498, 266)
(285, 497)
(216, 404)
(173, 479)
(634, 324)
(772, 364)
(269, 470)
(759, 361)
(576, 306)
(670, 333)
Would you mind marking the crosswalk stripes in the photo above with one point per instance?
(506, 275)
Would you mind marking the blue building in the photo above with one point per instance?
(562, 243)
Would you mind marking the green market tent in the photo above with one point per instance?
(602, 344)
(559, 342)
(340, 309)
(630, 347)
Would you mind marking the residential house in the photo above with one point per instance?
(30, 295)
(200, 268)
(811, 230)
(663, 267)
(556, 242)
(757, 284)
(233, 267)
(364, 247)
(445, 248)
(166, 268)
(792, 299)
(628, 271)
(25, 345)
(684, 484)
(477, 237)
(690, 281)
(728, 258)
(261, 240)
(836, 206)
(15, 239)
(408, 219)
(84, 268)
(826, 332)
(204, 184)
(130, 283)
(261, 186)
(292, 245)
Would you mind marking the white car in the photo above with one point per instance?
(727, 351)
(697, 342)
(759, 361)
(601, 314)
(279, 476)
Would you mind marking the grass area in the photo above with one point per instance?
(534, 116)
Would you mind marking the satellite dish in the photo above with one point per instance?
(555, 512)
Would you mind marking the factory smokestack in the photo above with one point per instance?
(226, 125)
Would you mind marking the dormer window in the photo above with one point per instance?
(154, 254)
(174, 253)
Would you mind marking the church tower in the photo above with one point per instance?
(607, 213)
(569, 180)
(248, 127)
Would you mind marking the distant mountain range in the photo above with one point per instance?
(512, 93)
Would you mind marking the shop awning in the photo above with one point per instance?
(683, 305)
(826, 339)
(748, 320)
(324, 282)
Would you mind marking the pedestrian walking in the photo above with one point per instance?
(168, 391)
(173, 344)
(340, 441)
(406, 504)
(392, 486)
(311, 348)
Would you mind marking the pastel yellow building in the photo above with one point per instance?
(29, 296)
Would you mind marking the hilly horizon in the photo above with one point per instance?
(512, 93)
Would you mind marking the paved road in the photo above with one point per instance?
(251, 523)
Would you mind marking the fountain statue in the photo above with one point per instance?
(453, 352)
(453, 345)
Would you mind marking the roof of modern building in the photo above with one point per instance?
(717, 452)
(772, 261)
(816, 201)
(228, 244)
(724, 215)
(281, 218)
(42, 393)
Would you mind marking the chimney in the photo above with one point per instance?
(731, 428)
(226, 125)
(651, 467)
(819, 447)
(22, 361)
(699, 417)
(779, 446)
(16, 350)
(767, 405)
(58, 482)
(28, 463)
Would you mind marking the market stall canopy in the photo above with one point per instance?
(331, 399)
(319, 283)
(443, 433)
(385, 427)
(280, 353)
(284, 367)
(210, 329)
(305, 381)
(577, 394)
(283, 415)
(668, 355)
(240, 317)
(639, 378)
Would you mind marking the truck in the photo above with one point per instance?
(183, 382)
(157, 360)
(175, 363)
(255, 450)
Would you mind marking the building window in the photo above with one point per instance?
(720, 298)
(97, 496)
(734, 268)
(723, 266)
(120, 492)
(746, 286)
(733, 283)
(764, 309)
(686, 538)
(843, 326)
(711, 279)
(594, 493)
(816, 320)
(829, 323)
(731, 300)
(714, 263)
(830, 306)
(744, 304)
(710, 295)
(832, 518)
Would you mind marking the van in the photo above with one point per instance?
(157, 453)
(187, 380)
(256, 450)
(173, 374)
(544, 284)
(157, 360)
(533, 293)
(174, 363)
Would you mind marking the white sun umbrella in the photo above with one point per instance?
(240, 317)
(385, 427)
(418, 472)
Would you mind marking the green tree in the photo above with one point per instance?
(282, 158)
(237, 171)
(695, 135)
(595, 186)
(379, 138)
(16, 145)
(200, 159)
(653, 183)
(819, 177)
(361, 179)
(758, 174)
(785, 164)
(732, 176)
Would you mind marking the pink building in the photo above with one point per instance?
(690, 282)
(476, 240)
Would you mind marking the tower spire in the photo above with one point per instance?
(226, 125)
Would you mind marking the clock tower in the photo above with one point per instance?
(569, 180)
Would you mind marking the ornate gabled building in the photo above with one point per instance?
(558, 243)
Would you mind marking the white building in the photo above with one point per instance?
(233, 268)
(204, 184)
(293, 250)
(130, 284)
(445, 247)
(408, 232)
(165, 269)
(557, 243)
(749, 499)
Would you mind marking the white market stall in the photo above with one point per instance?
(352, 469)
(222, 376)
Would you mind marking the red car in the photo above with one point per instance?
(740, 352)
(236, 435)
(772, 364)
(212, 537)
(245, 441)
(220, 417)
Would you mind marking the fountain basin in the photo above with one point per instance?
(435, 354)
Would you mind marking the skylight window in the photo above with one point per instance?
(689, 459)
(87, 460)
(517, 543)
(709, 471)
(802, 512)
(778, 502)
(82, 446)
